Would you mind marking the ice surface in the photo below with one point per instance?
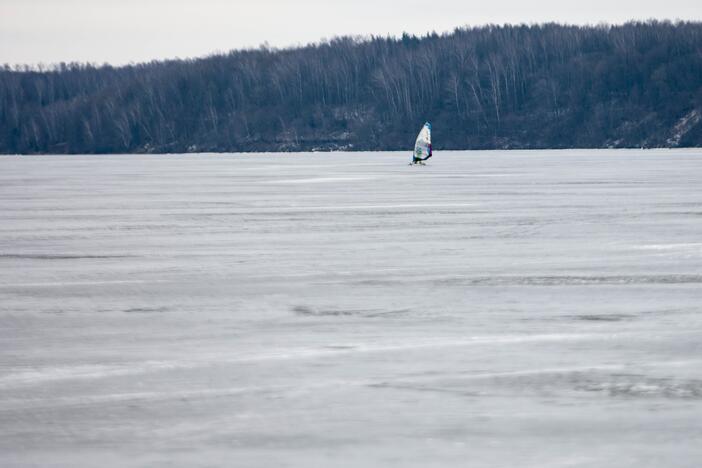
(492, 309)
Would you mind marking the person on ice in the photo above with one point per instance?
(420, 160)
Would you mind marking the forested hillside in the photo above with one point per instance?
(543, 86)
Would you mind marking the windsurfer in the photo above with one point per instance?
(422, 147)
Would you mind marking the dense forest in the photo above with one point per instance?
(537, 86)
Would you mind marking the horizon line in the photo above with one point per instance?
(360, 38)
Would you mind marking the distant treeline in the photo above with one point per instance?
(542, 86)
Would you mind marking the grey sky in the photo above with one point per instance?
(120, 31)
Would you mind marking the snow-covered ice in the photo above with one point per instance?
(492, 309)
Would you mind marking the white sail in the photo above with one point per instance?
(422, 147)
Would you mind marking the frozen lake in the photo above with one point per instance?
(492, 309)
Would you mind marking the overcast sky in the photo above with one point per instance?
(120, 31)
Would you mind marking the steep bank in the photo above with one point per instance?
(543, 86)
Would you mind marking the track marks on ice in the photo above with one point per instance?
(603, 381)
(22, 377)
(62, 256)
(542, 280)
(306, 311)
